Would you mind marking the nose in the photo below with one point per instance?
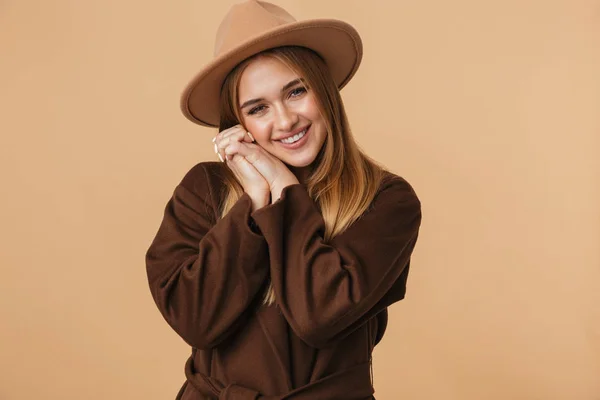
(285, 118)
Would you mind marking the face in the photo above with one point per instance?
(277, 108)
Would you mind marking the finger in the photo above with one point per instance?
(238, 135)
(221, 145)
(220, 142)
(230, 149)
(216, 148)
(219, 135)
(250, 151)
(216, 141)
(245, 136)
(236, 147)
(226, 132)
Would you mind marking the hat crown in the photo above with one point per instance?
(246, 20)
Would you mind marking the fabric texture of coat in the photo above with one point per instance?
(208, 276)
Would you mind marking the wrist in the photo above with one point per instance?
(259, 200)
(277, 189)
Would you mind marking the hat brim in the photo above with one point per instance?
(337, 42)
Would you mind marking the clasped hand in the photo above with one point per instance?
(260, 173)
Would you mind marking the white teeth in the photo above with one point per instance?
(294, 138)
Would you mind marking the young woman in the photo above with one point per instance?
(277, 263)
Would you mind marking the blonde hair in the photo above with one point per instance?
(343, 180)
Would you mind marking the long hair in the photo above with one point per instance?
(343, 180)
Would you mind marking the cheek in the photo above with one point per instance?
(259, 130)
(311, 109)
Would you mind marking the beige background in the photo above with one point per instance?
(490, 109)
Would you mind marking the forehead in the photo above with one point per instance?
(264, 77)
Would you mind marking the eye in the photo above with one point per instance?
(256, 110)
(297, 91)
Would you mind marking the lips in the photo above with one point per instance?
(299, 143)
(292, 139)
(297, 131)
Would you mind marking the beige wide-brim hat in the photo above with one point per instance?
(253, 26)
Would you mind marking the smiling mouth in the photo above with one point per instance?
(295, 138)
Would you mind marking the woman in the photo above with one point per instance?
(277, 263)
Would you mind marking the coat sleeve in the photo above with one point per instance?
(325, 291)
(203, 272)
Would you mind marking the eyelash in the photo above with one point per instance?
(257, 108)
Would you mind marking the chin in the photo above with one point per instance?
(299, 162)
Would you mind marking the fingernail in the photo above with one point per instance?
(251, 137)
(214, 139)
(220, 157)
(216, 148)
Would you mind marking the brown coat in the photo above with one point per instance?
(208, 275)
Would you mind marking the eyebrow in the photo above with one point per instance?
(283, 89)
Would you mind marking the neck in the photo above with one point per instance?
(302, 173)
